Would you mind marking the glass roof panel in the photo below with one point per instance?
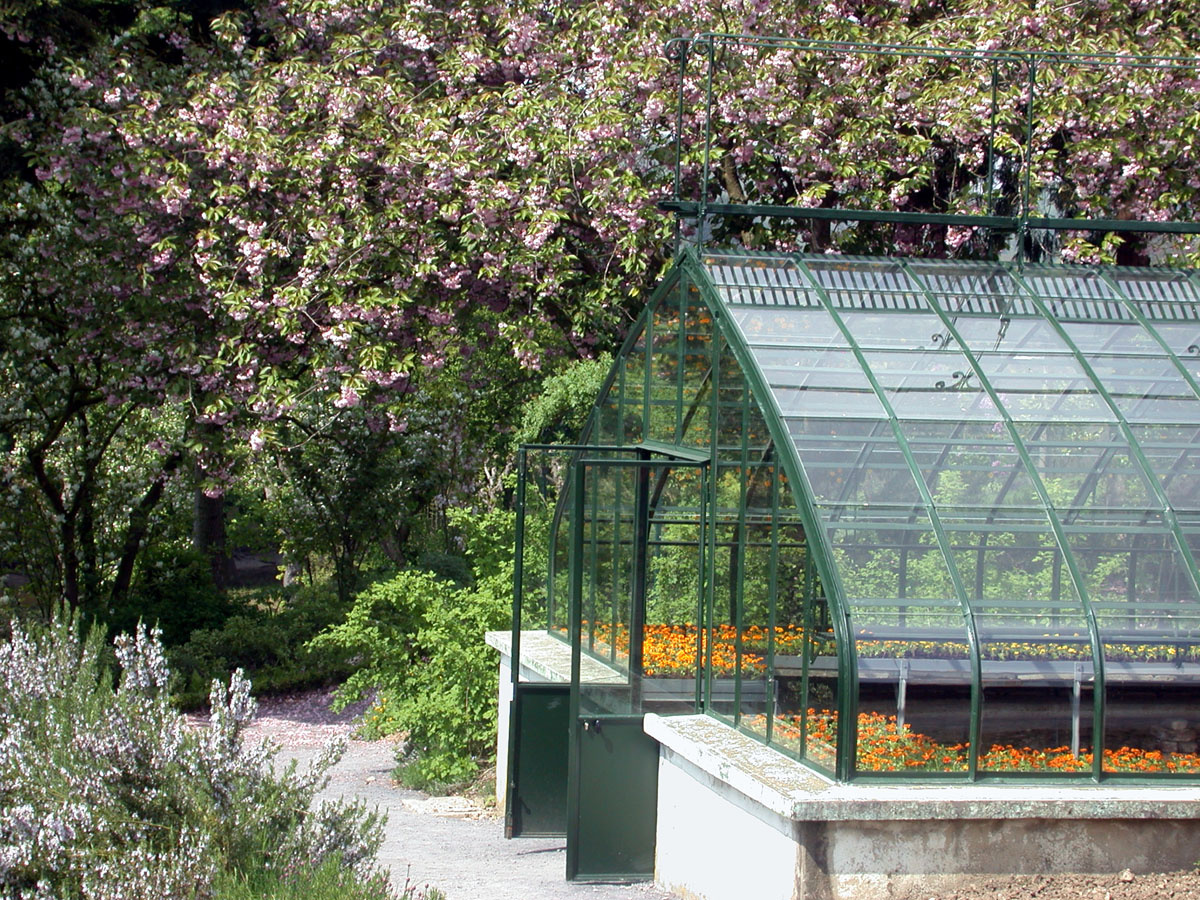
(1008, 558)
(853, 462)
(809, 382)
(867, 546)
(1173, 452)
(1182, 339)
(1036, 386)
(1086, 466)
(971, 465)
(766, 326)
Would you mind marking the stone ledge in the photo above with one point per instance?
(545, 658)
(792, 790)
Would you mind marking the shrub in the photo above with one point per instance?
(267, 638)
(173, 590)
(106, 793)
(418, 641)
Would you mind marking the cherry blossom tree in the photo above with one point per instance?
(239, 231)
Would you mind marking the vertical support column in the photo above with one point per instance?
(637, 598)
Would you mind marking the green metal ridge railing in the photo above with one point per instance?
(704, 47)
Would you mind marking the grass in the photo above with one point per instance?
(329, 881)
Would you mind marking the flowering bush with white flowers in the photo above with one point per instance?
(107, 794)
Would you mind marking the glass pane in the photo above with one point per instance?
(971, 465)
(606, 581)
(930, 385)
(1086, 466)
(828, 382)
(911, 640)
(1029, 384)
(755, 626)
(720, 645)
(1146, 390)
(1183, 339)
(631, 401)
(887, 555)
(696, 395)
(914, 679)
(1173, 454)
(1152, 677)
(806, 664)
(671, 651)
(787, 326)
(853, 462)
(666, 370)
(1036, 665)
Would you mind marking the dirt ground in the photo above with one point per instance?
(457, 845)
(1119, 886)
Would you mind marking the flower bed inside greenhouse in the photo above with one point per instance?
(885, 745)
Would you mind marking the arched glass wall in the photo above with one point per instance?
(946, 519)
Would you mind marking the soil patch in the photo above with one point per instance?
(1121, 886)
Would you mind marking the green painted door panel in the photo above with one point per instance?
(538, 794)
(617, 801)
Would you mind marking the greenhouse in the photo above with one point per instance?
(868, 571)
(920, 520)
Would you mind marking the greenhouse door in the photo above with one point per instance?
(612, 784)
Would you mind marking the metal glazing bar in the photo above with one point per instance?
(772, 598)
(989, 205)
(593, 554)
(1056, 525)
(574, 626)
(819, 549)
(647, 368)
(680, 356)
(708, 105)
(518, 567)
(1027, 174)
(714, 350)
(692, 209)
(737, 591)
(939, 532)
(703, 586)
(638, 575)
(614, 588)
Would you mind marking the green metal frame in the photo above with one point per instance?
(695, 359)
(708, 46)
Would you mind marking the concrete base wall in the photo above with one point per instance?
(716, 844)
(737, 820)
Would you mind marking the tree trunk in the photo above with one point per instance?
(208, 537)
(139, 523)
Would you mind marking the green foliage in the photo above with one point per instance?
(174, 590)
(558, 413)
(418, 642)
(267, 637)
(303, 881)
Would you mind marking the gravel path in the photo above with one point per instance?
(457, 846)
(449, 843)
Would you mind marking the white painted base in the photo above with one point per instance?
(717, 844)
